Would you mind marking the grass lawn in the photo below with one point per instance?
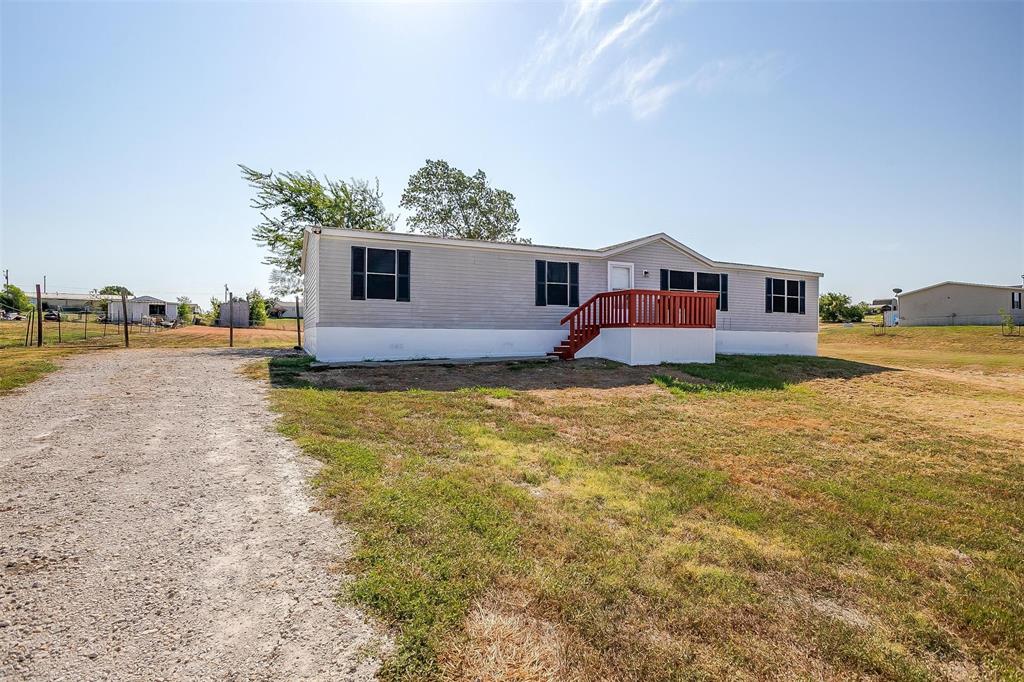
(858, 515)
(20, 365)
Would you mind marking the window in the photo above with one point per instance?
(784, 296)
(1015, 297)
(380, 273)
(677, 280)
(719, 284)
(557, 283)
(157, 309)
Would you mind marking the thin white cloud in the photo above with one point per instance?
(635, 85)
(564, 59)
(598, 53)
(748, 73)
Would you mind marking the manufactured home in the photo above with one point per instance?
(949, 303)
(389, 296)
(142, 307)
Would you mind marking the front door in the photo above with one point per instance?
(620, 276)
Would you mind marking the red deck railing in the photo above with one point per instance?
(638, 308)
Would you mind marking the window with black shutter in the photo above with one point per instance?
(358, 273)
(557, 283)
(785, 296)
(403, 293)
(382, 274)
(681, 280)
(1015, 300)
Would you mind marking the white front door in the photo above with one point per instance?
(620, 276)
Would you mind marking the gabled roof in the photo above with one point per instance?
(604, 252)
(146, 299)
(1004, 287)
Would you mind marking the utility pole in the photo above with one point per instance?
(7, 277)
(44, 284)
(231, 320)
(225, 292)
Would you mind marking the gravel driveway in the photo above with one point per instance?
(153, 525)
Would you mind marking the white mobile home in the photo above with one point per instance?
(388, 296)
(948, 303)
(143, 306)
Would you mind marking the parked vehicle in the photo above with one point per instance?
(13, 316)
(52, 316)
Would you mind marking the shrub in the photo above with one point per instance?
(257, 308)
(184, 310)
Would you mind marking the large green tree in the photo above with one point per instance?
(445, 202)
(12, 298)
(115, 290)
(289, 202)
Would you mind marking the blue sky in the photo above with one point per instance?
(880, 143)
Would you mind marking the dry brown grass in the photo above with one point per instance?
(20, 365)
(762, 518)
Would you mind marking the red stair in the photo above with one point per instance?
(635, 308)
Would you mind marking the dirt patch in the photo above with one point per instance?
(521, 375)
(154, 525)
(504, 642)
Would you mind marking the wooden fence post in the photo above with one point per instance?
(28, 327)
(124, 316)
(39, 316)
(231, 319)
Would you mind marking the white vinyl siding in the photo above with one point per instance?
(468, 288)
(746, 289)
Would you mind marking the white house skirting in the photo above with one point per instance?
(766, 343)
(352, 344)
(652, 345)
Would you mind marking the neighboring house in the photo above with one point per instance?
(388, 296)
(56, 300)
(948, 303)
(140, 307)
(284, 308)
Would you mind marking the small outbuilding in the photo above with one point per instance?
(952, 303)
(142, 307)
(234, 314)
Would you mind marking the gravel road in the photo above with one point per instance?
(153, 525)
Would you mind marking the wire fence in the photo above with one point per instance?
(86, 319)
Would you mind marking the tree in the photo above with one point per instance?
(836, 307)
(13, 298)
(445, 202)
(257, 308)
(290, 202)
(115, 290)
(214, 314)
(185, 310)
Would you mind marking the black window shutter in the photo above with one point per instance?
(574, 284)
(723, 297)
(541, 294)
(403, 276)
(768, 294)
(803, 291)
(358, 273)
(664, 279)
